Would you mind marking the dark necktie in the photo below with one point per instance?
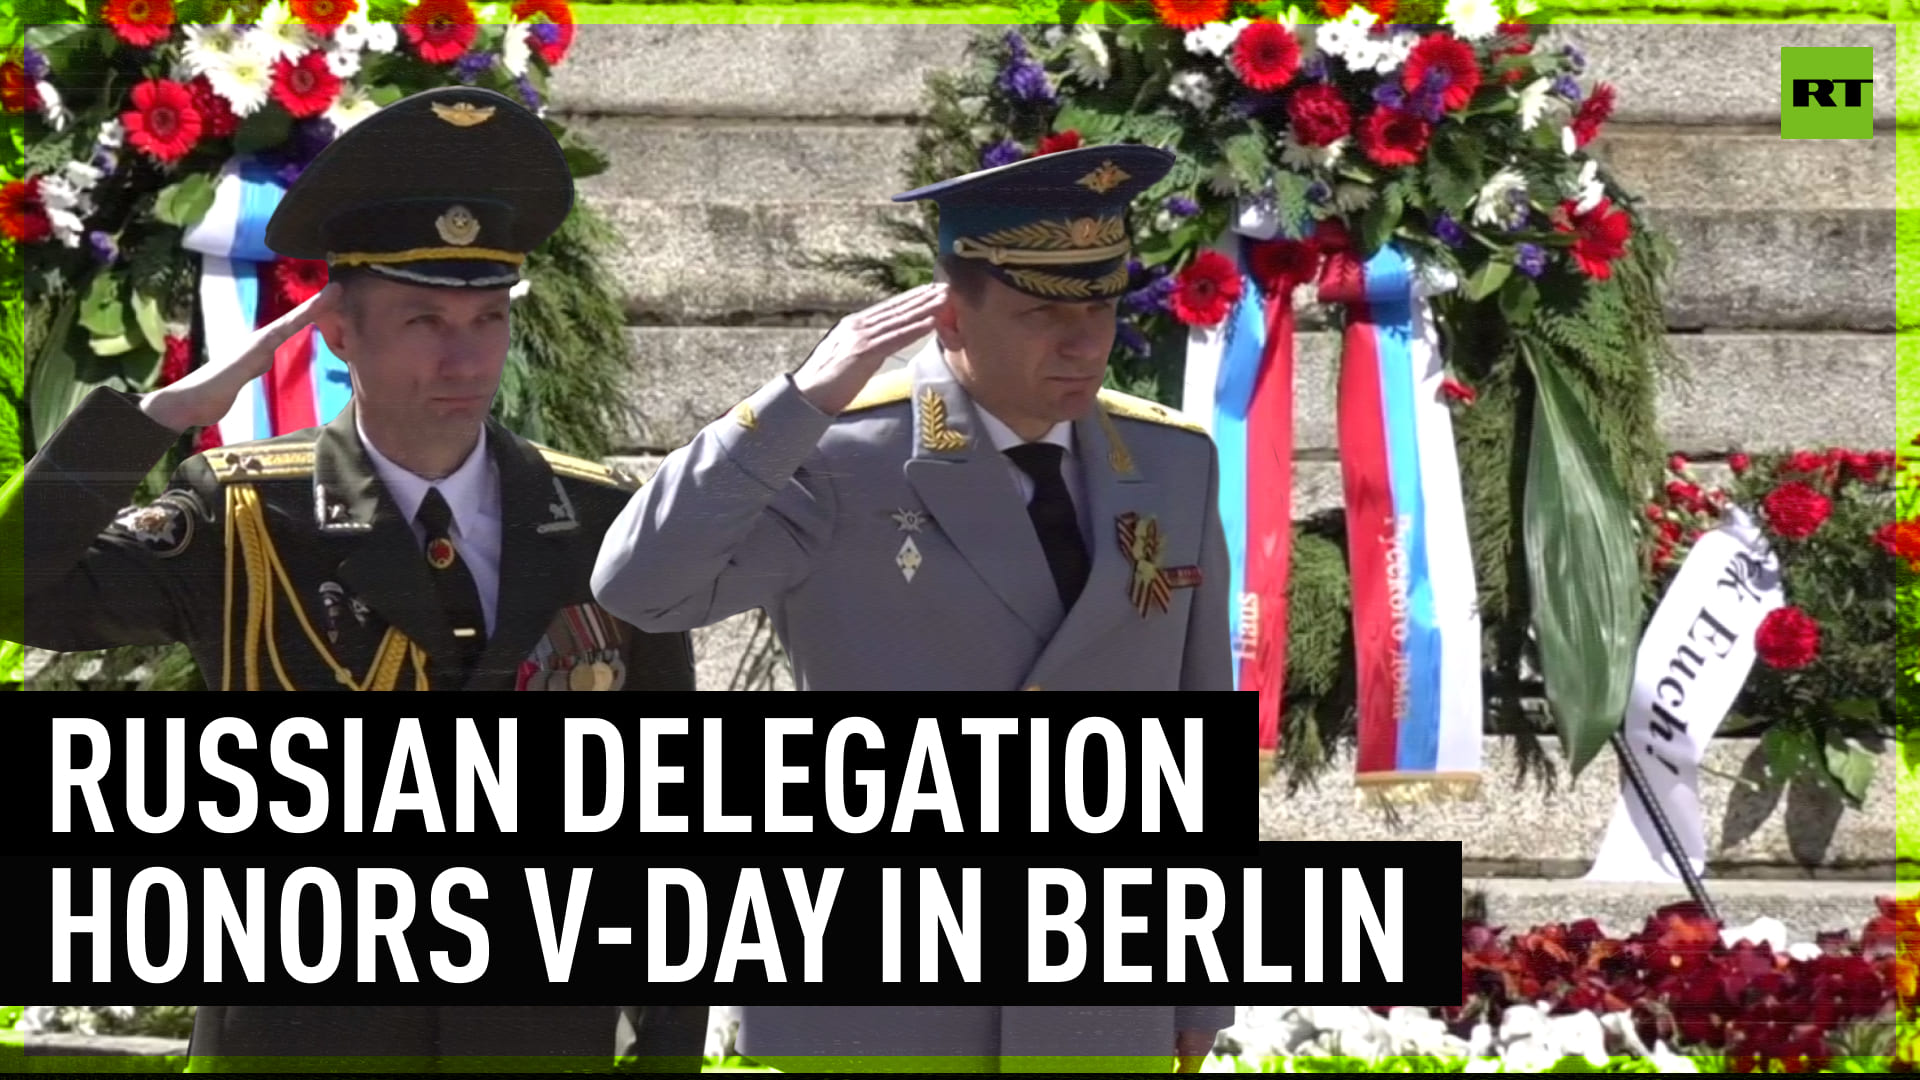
(459, 596)
(1054, 517)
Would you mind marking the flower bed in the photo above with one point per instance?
(1682, 994)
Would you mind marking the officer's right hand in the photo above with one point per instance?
(855, 348)
(204, 396)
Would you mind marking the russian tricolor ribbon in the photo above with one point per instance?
(308, 384)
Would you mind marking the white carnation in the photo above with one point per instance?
(1491, 207)
(1533, 103)
(1193, 88)
(112, 135)
(81, 175)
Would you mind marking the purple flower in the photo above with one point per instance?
(105, 249)
(310, 136)
(1025, 80)
(1390, 95)
(548, 33)
(1531, 260)
(1318, 192)
(1130, 338)
(472, 66)
(1153, 298)
(1315, 68)
(1181, 206)
(289, 174)
(1004, 152)
(1567, 88)
(528, 93)
(1576, 58)
(36, 65)
(1449, 231)
(1249, 104)
(1016, 45)
(106, 161)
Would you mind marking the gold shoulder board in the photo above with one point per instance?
(246, 462)
(590, 471)
(1151, 412)
(888, 389)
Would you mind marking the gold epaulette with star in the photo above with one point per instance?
(1129, 407)
(591, 471)
(888, 389)
(244, 463)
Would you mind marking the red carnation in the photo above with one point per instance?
(1739, 463)
(1863, 467)
(1804, 463)
(1451, 57)
(299, 280)
(16, 93)
(163, 121)
(1683, 494)
(1901, 539)
(1796, 510)
(306, 88)
(1053, 144)
(140, 23)
(1788, 639)
(1191, 14)
(1281, 265)
(1600, 236)
(1454, 390)
(1319, 115)
(1593, 112)
(216, 115)
(558, 14)
(1677, 463)
(177, 361)
(1266, 56)
(441, 30)
(1393, 138)
(22, 214)
(325, 14)
(1206, 290)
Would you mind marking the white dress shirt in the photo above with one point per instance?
(473, 493)
(1060, 435)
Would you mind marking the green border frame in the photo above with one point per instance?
(1903, 15)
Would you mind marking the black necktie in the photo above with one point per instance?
(459, 596)
(1054, 517)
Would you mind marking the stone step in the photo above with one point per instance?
(879, 70)
(733, 262)
(1842, 386)
(1753, 826)
(1806, 908)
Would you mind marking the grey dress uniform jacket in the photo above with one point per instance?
(891, 550)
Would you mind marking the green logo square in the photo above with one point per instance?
(1826, 93)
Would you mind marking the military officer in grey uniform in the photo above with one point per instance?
(988, 518)
(412, 543)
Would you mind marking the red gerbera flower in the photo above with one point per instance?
(1281, 264)
(1393, 138)
(16, 93)
(1788, 638)
(1191, 14)
(441, 30)
(1053, 144)
(299, 280)
(216, 115)
(177, 360)
(163, 121)
(22, 214)
(1451, 57)
(550, 45)
(1266, 56)
(1206, 290)
(325, 14)
(1383, 9)
(1600, 236)
(305, 88)
(141, 23)
(1593, 112)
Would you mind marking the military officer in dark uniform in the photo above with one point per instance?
(412, 543)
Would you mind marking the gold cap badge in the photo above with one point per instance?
(1105, 178)
(463, 113)
(458, 226)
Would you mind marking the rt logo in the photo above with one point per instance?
(1826, 93)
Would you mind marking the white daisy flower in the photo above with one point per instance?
(81, 175)
(278, 35)
(351, 35)
(379, 37)
(51, 107)
(1474, 20)
(1391, 54)
(57, 192)
(1350, 31)
(1193, 88)
(1493, 205)
(1533, 103)
(244, 80)
(344, 64)
(112, 135)
(516, 50)
(351, 107)
(1091, 62)
(208, 46)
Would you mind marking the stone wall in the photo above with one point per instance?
(742, 154)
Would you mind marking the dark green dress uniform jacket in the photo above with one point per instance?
(296, 535)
